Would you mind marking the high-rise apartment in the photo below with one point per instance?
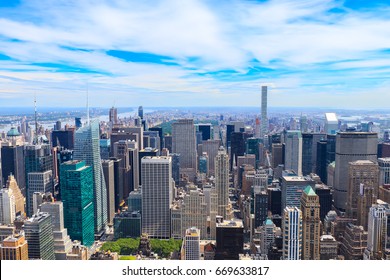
(292, 233)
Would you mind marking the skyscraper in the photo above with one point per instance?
(292, 233)
(211, 148)
(77, 196)
(109, 177)
(377, 230)
(310, 207)
(12, 163)
(264, 119)
(363, 175)
(331, 123)
(156, 196)
(62, 242)
(41, 182)
(141, 112)
(7, 207)
(38, 159)
(351, 146)
(39, 234)
(19, 198)
(87, 148)
(222, 182)
(384, 171)
(113, 116)
(184, 143)
(293, 151)
(191, 244)
(230, 240)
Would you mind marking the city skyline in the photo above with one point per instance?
(313, 53)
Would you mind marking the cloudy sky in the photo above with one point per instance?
(195, 53)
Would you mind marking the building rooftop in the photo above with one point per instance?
(309, 191)
(13, 132)
(331, 118)
(231, 223)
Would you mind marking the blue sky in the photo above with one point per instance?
(195, 53)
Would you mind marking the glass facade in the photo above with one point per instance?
(77, 196)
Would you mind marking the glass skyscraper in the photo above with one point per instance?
(77, 196)
(87, 148)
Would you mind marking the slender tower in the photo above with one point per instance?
(264, 120)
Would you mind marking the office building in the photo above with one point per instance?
(12, 163)
(109, 178)
(267, 236)
(204, 164)
(331, 123)
(87, 149)
(38, 159)
(14, 247)
(156, 196)
(205, 128)
(260, 199)
(230, 240)
(292, 233)
(134, 201)
(121, 151)
(63, 138)
(127, 224)
(62, 242)
(78, 198)
(264, 117)
(184, 143)
(277, 155)
(354, 242)
(350, 146)
(292, 188)
(378, 230)
(237, 146)
(132, 133)
(41, 182)
(141, 112)
(384, 193)
(384, 171)
(17, 193)
(113, 116)
(321, 160)
(328, 247)
(222, 182)
(7, 207)
(211, 148)
(311, 231)
(39, 235)
(325, 196)
(191, 244)
(293, 151)
(363, 175)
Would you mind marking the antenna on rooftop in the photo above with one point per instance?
(36, 119)
(87, 104)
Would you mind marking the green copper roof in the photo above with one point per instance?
(309, 191)
(13, 132)
(268, 222)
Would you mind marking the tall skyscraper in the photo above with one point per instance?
(38, 159)
(311, 230)
(62, 242)
(121, 151)
(184, 143)
(211, 148)
(384, 171)
(39, 234)
(141, 112)
(87, 148)
(12, 163)
(222, 182)
(377, 230)
(363, 176)
(14, 247)
(41, 182)
(351, 146)
(113, 115)
(156, 196)
(293, 151)
(292, 233)
(77, 196)
(7, 207)
(191, 244)
(292, 188)
(109, 177)
(205, 128)
(264, 118)
(19, 198)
